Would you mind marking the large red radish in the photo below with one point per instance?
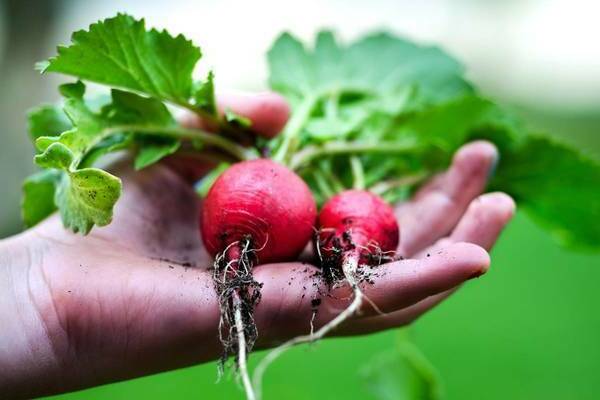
(255, 211)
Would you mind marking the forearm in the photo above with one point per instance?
(28, 365)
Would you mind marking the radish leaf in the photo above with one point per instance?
(154, 150)
(382, 90)
(86, 197)
(120, 52)
(376, 64)
(38, 196)
(47, 120)
(557, 186)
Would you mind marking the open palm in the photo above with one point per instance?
(136, 298)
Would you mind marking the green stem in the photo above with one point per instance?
(383, 187)
(309, 153)
(177, 132)
(323, 185)
(290, 140)
(334, 181)
(331, 106)
(358, 173)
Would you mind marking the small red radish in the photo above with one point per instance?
(356, 228)
(357, 224)
(255, 211)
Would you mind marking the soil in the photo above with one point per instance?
(236, 287)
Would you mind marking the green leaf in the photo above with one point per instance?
(450, 125)
(207, 181)
(55, 155)
(291, 69)
(130, 108)
(47, 120)
(121, 52)
(71, 146)
(74, 90)
(375, 64)
(236, 119)
(557, 186)
(154, 150)
(113, 143)
(402, 373)
(38, 196)
(86, 197)
(338, 92)
(204, 95)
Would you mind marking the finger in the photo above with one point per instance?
(438, 206)
(485, 219)
(288, 301)
(482, 224)
(268, 112)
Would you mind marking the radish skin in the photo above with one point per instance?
(264, 200)
(357, 222)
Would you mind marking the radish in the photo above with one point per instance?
(256, 210)
(261, 201)
(357, 229)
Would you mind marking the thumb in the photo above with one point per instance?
(268, 113)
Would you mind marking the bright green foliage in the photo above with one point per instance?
(144, 69)
(381, 112)
(376, 64)
(38, 196)
(558, 186)
(380, 91)
(86, 197)
(204, 95)
(47, 120)
(120, 52)
(154, 150)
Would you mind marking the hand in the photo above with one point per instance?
(135, 298)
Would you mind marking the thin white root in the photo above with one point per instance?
(349, 268)
(242, 363)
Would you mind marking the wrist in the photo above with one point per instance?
(28, 360)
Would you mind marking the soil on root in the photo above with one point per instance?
(341, 262)
(238, 292)
(331, 250)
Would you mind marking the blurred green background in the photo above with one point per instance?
(529, 329)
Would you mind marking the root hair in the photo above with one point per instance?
(238, 295)
(352, 259)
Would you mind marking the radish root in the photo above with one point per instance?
(238, 294)
(349, 268)
(242, 349)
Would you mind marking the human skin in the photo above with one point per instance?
(135, 298)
